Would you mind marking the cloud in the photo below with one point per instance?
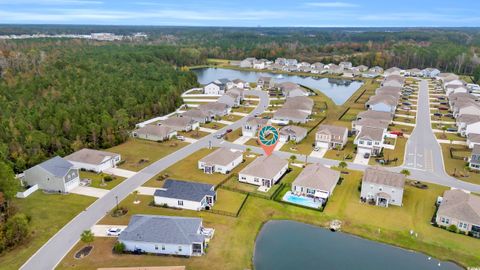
(331, 4)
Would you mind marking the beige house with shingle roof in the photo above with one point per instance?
(154, 133)
(222, 160)
(93, 160)
(316, 181)
(382, 187)
(460, 209)
(369, 122)
(284, 116)
(252, 125)
(292, 133)
(370, 139)
(301, 103)
(265, 171)
(329, 136)
(375, 115)
(180, 123)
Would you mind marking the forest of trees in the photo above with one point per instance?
(59, 96)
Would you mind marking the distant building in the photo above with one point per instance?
(93, 160)
(154, 133)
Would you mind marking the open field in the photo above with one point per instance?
(233, 244)
(137, 154)
(49, 213)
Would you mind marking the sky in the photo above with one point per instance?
(266, 13)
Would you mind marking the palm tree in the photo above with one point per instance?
(293, 158)
(342, 165)
(87, 237)
(135, 195)
(405, 172)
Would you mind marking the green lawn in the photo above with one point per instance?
(48, 213)
(403, 128)
(404, 119)
(304, 147)
(457, 167)
(194, 134)
(137, 154)
(232, 136)
(243, 109)
(228, 201)
(398, 153)
(343, 154)
(390, 225)
(232, 117)
(213, 125)
(253, 142)
(97, 180)
(449, 136)
(187, 169)
(351, 114)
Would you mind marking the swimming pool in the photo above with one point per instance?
(301, 200)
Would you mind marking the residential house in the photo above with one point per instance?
(229, 100)
(392, 71)
(331, 137)
(93, 160)
(290, 89)
(460, 109)
(216, 108)
(465, 120)
(284, 116)
(241, 84)
(222, 160)
(387, 116)
(345, 65)
(473, 127)
(382, 103)
(291, 62)
(259, 64)
(252, 126)
(198, 115)
(301, 103)
(247, 63)
(473, 139)
(168, 235)
(389, 90)
(185, 195)
(370, 140)
(413, 72)
(393, 80)
(55, 175)
(461, 209)
(316, 181)
(215, 88)
(430, 72)
(183, 123)
(334, 69)
(264, 171)
(317, 65)
(154, 133)
(292, 133)
(357, 125)
(266, 82)
(453, 89)
(382, 187)
(376, 69)
(474, 160)
(443, 77)
(361, 68)
(281, 61)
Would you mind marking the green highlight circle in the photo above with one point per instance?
(264, 132)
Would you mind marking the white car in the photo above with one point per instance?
(181, 138)
(114, 231)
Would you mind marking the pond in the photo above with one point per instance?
(294, 245)
(338, 90)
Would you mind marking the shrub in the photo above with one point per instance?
(119, 247)
(452, 228)
(107, 178)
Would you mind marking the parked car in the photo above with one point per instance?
(114, 231)
(181, 138)
(407, 103)
(438, 114)
(266, 117)
(452, 129)
(443, 108)
(229, 130)
(366, 155)
(396, 132)
(220, 135)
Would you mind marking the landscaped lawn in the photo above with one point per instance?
(351, 114)
(232, 117)
(243, 109)
(233, 244)
(388, 154)
(404, 119)
(49, 213)
(253, 142)
(96, 179)
(457, 167)
(347, 153)
(228, 201)
(403, 128)
(449, 136)
(232, 136)
(213, 125)
(187, 169)
(137, 154)
(304, 147)
(194, 134)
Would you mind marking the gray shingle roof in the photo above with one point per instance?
(90, 156)
(473, 137)
(221, 156)
(317, 176)
(381, 176)
(163, 229)
(294, 130)
(332, 130)
(57, 166)
(161, 131)
(375, 115)
(184, 190)
(460, 205)
(265, 166)
(371, 133)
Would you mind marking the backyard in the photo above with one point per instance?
(96, 180)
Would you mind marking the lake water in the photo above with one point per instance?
(292, 245)
(338, 90)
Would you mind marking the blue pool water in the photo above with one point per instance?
(305, 201)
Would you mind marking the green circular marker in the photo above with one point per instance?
(264, 132)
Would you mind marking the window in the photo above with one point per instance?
(369, 143)
(156, 247)
(163, 247)
(255, 180)
(443, 220)
(179, 248)
(180, 203)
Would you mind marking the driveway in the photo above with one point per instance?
(359, 158)
(101, 230)
(149, 191)
(120, 172)
(319, 154)
(242, 140)
(208, 130)
(90, 191)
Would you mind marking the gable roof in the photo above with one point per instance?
(299, 103)
(473, 137)
(317, 176)
(56, 166)
(381, 176)
(177, 121)
(184, 190)
(332, 130)
(163, 229)
(371, 133)
(90, 156)
(375, 114)
(460, 205)
(382, 98)
(476, 149)
(195, 113)
(160, 131)
(293, 130)
(265, 166)
(372, 122)
(290, 114)
(222, 156)
(468, 118)
(213, 106)
(255, 121)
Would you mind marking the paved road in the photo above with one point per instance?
(60, 244)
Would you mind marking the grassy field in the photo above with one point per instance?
(232, 117)
(347, 153)
(137, 154)
(457, 167)
(228, 201)
(233, 244)
(450, 136)
(304, 147)
(398, 153)
(232, 136)
(213, 125)
(243, 109)
(49, 213)
(187, 169)
(96, 179)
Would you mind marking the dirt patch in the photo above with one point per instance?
(85, 251)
